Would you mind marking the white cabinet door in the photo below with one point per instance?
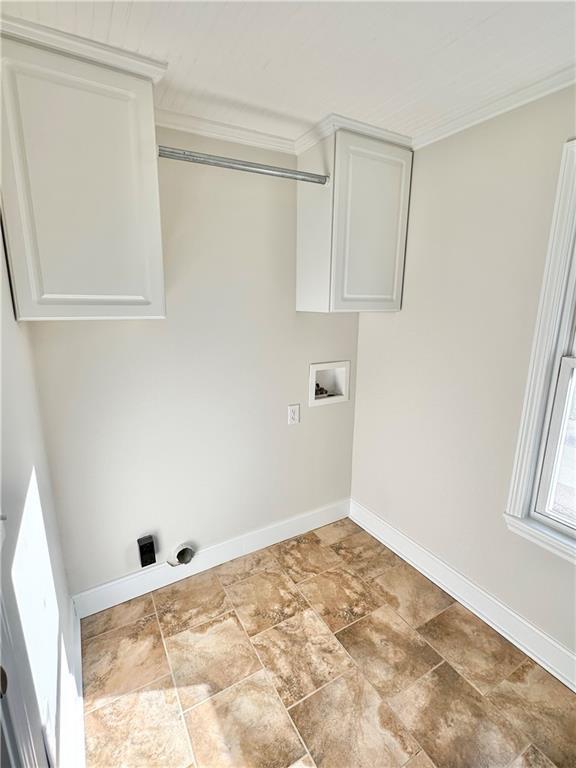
(79, 188)
(370, 216)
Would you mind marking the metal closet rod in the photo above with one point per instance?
(240, 165)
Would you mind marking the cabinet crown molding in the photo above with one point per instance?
(332, 123)
(80, 47)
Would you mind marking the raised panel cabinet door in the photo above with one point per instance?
(371, 199)
(79, 188)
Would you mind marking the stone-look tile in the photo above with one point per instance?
(473, 648)
(246, 566)
(456, 726)
(388, 651)
(544, 709)
(339, 596)
(346, 724)
(301, 654)
(210, 657)
(420, 761)
(410, 594)
(245, 726)
(142, 728)
(304, 556)
(188, 602)
(532, 758)
(365, 555)
(121, 660)
(265, 599)
(335, 532)
(305, 762)
(118, 616)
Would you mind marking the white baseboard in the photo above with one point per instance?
(550, 654)
(160, 575)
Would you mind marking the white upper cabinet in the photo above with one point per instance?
(352, 233)
(79, 187)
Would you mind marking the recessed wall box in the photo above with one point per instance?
(329, 383)
(147, 550)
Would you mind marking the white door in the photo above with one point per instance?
(372, 191)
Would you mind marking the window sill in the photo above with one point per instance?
(546, 537)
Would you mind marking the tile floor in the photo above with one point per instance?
(325, 650)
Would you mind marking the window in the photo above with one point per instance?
(556, 498)
(542, 501)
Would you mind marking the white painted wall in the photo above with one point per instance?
(440, 385)
(179, 427)
(35, 595)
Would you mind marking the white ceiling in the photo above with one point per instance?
(416, 68)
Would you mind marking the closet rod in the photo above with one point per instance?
(240, 165)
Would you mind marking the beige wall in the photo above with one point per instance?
(179, 427)
(440, 384)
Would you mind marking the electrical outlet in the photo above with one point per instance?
(294, 414)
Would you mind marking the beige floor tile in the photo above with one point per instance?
(305, 762)
(334, 532)
(142, 729)
(188, 602)
(340, 596)
(410, 594)
(121, 660)
(532, 758)
(118, 616)
(347, 724)
(420, 761)
(304, 556)
(265, 599)
(365, 555)
(544, 709)
(242, 567)
(301, 654)
(245, 726)
(210, 657)
(473, 648)
(456, 726)
(388, 651)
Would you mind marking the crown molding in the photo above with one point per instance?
(327, 127)
(215, 130)
(563, 78)
(80, 47)
(330, 124)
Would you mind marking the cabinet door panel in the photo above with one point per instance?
(370, 217)
(80, 193)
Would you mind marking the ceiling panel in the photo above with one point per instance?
(281, 67)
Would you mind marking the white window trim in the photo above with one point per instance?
(554, 443)
(552, 341)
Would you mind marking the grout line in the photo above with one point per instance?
(125, 693)
(120, 626)
(355, 665)
(224, 690)
(271, 681)
(166, 654)
(267, 674)
(284, 707)
(249, 576)
(316, 690)
(273, 626)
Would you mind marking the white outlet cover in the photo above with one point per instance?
(294, 414)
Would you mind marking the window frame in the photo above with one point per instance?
(553, 341)
(553, 445)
